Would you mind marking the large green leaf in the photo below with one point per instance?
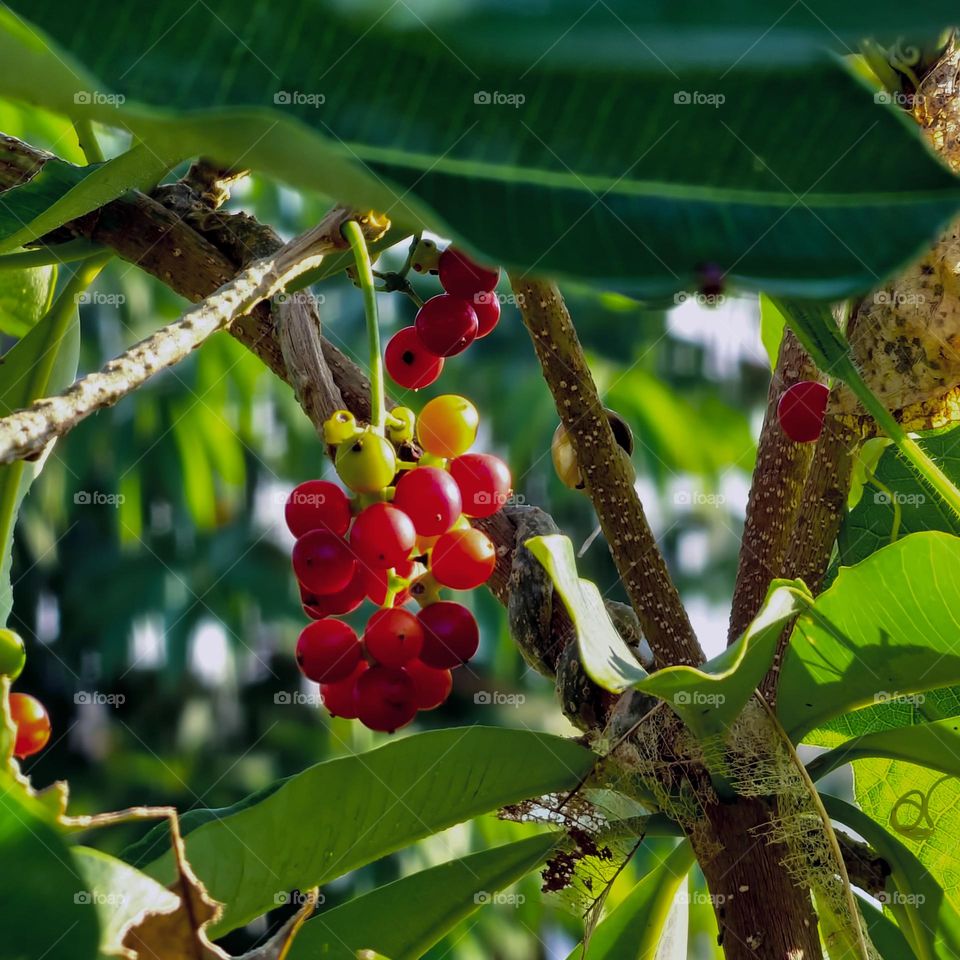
(122, 895)
(25, 296)
(789, 177)
(873, 521)
(635, 927)
(47, 908)
(885, 628)
(405, 918)
(351, 811)
(926, 919)
(885, 935)
(933, 745)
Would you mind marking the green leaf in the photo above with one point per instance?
(405, 918)
(885, 935)
(62, 191)
(357, 809)
(872, 523)
(785, 173)
(46, 912)
(772, 326)
(916, 900)
(25, 296)
(933, 745)
(635, 927)
(886, 627)
(608, 660)
(121, 895)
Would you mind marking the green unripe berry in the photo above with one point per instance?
(368, 463)
(13, 655)
(400, 425)
(339, 427)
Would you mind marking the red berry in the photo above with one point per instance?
(431, 686)
(377, 583)
(323, 562)
(317, 505)
(446, 325)
(386, 699)
(393, 637)
(327, 651)
(317, 606)
(450, 635)
(460, 276)
(463, 559)
(484, 482)
(801, 410)
(431, 498)
(32, 722)
(408, 361)
(383, 536)
(340, 698)
(487, 308)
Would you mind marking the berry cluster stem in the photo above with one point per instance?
(354, 235)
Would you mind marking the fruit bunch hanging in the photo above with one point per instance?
(448, 323)
(404, 534)
(28, 714)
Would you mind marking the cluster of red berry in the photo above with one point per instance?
(404, 535)
(28, 714)
(446, 324)
(801, 410)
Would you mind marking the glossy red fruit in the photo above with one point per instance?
(450, 635)
(377, 583)
(323, 562)
(431, 686)
(408, 361)
(801, 410)
(32, 722)
(393, 637)
(460, 276)
(340, 698)
(317, 606)
(484, 481)
(431, 498)
(446, 325)
(383, 536)
(386, 699)
(327, 651)
(463, 559)
(317, 505)
(487, 308)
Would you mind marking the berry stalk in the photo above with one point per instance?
(354, 235)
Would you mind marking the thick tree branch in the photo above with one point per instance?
(28, 431)
(775, 493)
(609, 479)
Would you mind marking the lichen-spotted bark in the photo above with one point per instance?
(609, 479)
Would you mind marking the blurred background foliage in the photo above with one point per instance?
(151, 562)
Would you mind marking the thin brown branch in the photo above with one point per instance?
(775, 493)
(608, 477)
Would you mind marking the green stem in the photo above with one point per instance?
(88, 141)
(358, 244)
(60, 253)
